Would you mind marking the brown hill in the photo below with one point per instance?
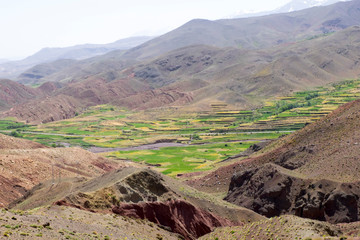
(287, 228)
(7, 142)
(12, 93)
(106, 66)
(25, 164)
(145, 194)
(326, 149)
(56, 222)
(65, 102)
(256, 32)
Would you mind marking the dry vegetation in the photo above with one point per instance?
(70, 223)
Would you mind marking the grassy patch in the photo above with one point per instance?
(173, 160)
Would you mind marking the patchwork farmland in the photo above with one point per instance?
(204, 138)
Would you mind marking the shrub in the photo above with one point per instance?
(15, 134)
(311, 96)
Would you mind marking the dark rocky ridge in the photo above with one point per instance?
(272, 191)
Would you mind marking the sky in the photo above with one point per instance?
(30, 25)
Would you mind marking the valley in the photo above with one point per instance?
(204, 139)
(242, 128)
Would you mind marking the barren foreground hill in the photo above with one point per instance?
(25, 164)
(55, 222)
(142, 194)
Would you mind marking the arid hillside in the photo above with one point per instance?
(25, 164)
(142, 194)
(55, 222)
(13, 93)
(256, 32)
(288, 228)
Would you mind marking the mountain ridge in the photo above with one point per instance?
(13, 68)
(294, 5)
(186, 76)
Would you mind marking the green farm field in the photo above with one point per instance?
(207, 137)
(178, 160)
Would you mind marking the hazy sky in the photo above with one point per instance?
(29, 25)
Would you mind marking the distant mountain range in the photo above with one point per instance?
(240, 62)
(4, 60)
(294, 5)
(13, 68)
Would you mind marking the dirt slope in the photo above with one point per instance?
(25, 164)
(143, 194)
(288, 228)
(70, 223)
(8, 142)
(12, 93)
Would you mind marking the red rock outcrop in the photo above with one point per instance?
(181, 216)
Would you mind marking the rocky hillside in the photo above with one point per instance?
(273, 191)
(25, 164)
(54, 222)
(143, 194)
(287, 227)
(13, 93)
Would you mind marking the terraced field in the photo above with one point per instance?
(178, 160)
(223, 132)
